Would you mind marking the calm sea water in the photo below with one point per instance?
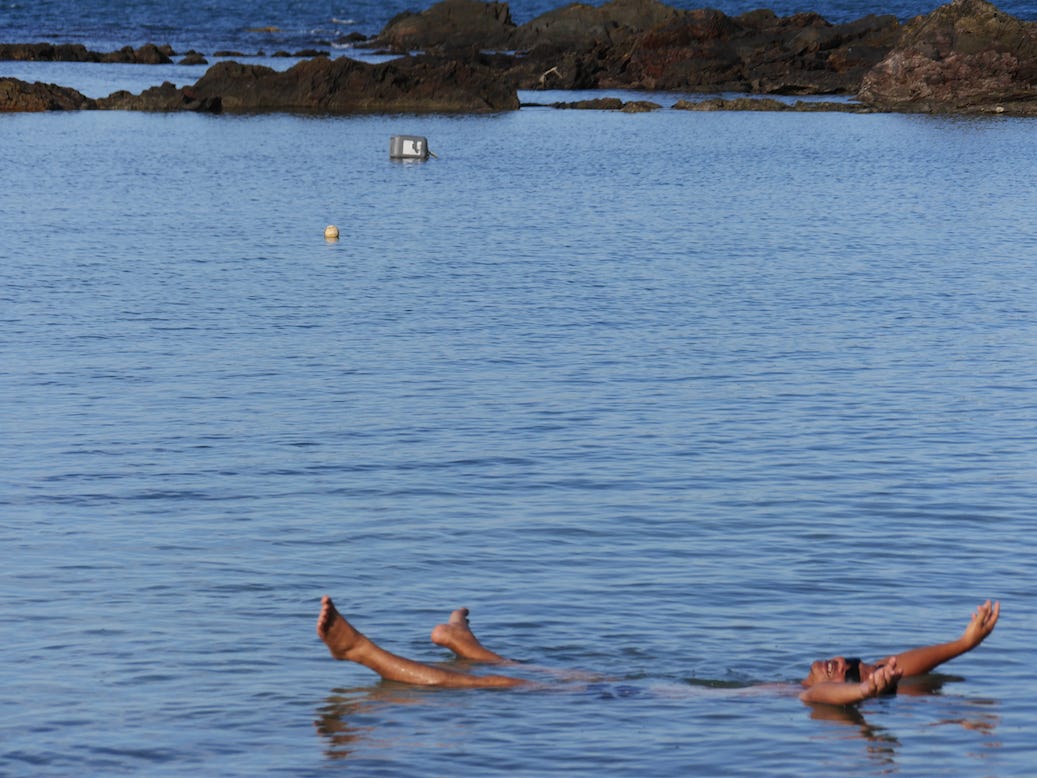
(680, 400)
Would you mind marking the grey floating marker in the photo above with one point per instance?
(409, 147)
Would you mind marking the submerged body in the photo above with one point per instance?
(835, 681)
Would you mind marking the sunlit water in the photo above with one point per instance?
(680, 400)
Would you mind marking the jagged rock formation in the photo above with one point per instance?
(964, 57)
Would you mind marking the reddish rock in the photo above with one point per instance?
(645, 44)
(706, 50)
(964, 57)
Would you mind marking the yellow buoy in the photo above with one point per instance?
(331, 232)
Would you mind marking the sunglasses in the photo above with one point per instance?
(853, 669)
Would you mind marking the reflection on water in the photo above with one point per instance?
(884, 744)
(367, 718)
(881, 743)
(348, 716)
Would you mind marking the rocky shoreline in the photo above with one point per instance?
(966, 57)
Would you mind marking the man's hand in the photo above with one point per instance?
(883, 679)
(981, 625)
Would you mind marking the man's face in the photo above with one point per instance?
(833, 669)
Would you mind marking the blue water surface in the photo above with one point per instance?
(680, 400)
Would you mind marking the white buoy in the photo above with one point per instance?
(331, 232)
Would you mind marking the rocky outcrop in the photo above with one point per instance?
(705, 50)
(20, 96)
(964, 57)
(645, 44)
(165, 97)
(609, 104)
(148, 54)
(450, 25)
(340, 86)
(47, 52)
(471, 24)
(586, 27)
(768, 104)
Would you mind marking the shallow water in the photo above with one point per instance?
(681, 400)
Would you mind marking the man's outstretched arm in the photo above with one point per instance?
(918, 661)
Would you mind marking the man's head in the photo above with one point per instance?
(839, 669)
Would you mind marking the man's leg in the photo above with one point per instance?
(457, 635)
(345, 642)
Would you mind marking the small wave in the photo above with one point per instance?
(336, 20)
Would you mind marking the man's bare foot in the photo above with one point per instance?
(459, 638)
(337, 633)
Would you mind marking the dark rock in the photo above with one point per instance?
(609, 104)
(645, 44)
(124, 55)
(341, 86)
(640, 106)
(768, 104)
(595, 104)
(304, 54)
(18, 96)
(47, 52)
(452, 24)
(692, 51)
(705, 50)
(148, 54)
(193, 58)
(548, 67)
(964, 57)
(165, 97)
(579, 26)
(824, 106)
(737, 104)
